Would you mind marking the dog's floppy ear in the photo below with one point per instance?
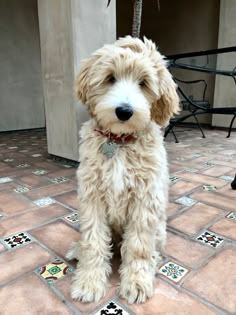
(168, 104)
(81, 82)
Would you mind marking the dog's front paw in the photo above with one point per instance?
(136, 288)
(89, 287)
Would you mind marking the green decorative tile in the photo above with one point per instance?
(231, 216)
(173, 271)
(54, 271)
(209, 187)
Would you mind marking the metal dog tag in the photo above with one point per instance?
(109, 148)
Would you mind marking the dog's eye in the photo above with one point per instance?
(111, 79)
(142, 83)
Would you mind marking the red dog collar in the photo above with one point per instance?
(114, 137)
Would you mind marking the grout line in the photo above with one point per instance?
(213, 306)
(66, 301)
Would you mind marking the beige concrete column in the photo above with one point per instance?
(69, 31)
(225, 90)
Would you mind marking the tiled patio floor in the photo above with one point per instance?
(38, 221)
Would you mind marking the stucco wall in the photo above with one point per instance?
(180, 26)
(21, 97)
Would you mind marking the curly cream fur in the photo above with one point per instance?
(127, 194)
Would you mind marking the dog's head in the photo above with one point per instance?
(126, 85)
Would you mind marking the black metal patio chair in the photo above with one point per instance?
(196, 107)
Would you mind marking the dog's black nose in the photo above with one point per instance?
(124, 112)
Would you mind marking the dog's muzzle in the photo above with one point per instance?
(124, 112)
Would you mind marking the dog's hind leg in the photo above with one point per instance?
(94, 247)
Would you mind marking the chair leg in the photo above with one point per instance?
(170, 129)
(176, 140)
(231, 125)
(199, 126)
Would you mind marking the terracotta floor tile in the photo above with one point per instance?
(173, 208)
(217, 170)
(195, 218)
(220, 161)
(50, 190)
(184, 250)
(64, 286)
(2, 248)
(214, 199)
(50, 166)
(15, 155)
(34, 181)
(14, 172)
(68, 199)
(31, 296)
(12, 203)
(57, 236)
(228, 191)
(22, 260)
(182, 188)
(8, 186)
(169, 300)
(215, 282)
(204, 179)
(31, 219)
(173, 168)
(228, 152)
(225, 228)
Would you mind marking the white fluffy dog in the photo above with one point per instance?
(123, 175)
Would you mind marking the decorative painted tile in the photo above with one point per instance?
(186, 201)
(174, 179)
(40, 172)
(196, 155)
(191, 170)
(173, 271)
(8, 160)
(59, 180)
(1, 217)
(210, 239)
(209, 187)
(4, 180)
(23, 151)
(67, 166)
(112, 308)
(2, 144)
(34, 144)
(12, 148)
(44, 202)
(21, 189)
(54, 271)
(231, 216)
(23, 165)
(208, 164)
(36, 155)
(181, 159)
(72, 218)
(17, 240)
(227, 178)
